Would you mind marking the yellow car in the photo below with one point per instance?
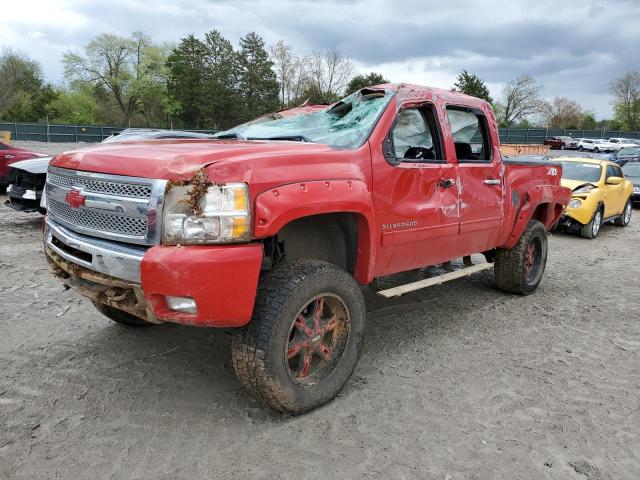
(600, 194)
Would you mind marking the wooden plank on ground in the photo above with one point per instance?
(430, 282)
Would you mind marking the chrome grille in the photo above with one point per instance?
(100, 186)
(114, 207)
(121, 224)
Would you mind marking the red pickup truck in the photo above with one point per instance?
(274, 227)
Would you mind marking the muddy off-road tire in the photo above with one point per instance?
(123, 318)
(520, 269)
(304, 339)
(625, 217)
(591, 229)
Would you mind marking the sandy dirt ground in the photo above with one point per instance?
(460, 381)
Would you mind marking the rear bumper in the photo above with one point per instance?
(221, 279)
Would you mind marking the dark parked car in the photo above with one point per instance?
(626, 154)
(631, 171)
(561, 142)
(10, 154)
(27, 178)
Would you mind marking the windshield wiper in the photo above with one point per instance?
(291, 138)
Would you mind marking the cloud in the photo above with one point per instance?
(574, 48)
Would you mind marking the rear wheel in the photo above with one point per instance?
(581, 148)
(304, 339)
(596, 150)
(625, 218)
(591, 229)
(121, 317)
(520, 269)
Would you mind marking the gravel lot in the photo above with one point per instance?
(459, 381)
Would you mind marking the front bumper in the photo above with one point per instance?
(221, 279)
(23, 199)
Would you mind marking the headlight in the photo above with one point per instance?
(575, 203)
(220, 215)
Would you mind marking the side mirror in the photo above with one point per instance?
(614, 180)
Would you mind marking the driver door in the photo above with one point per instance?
(614, 200)
(415, 194)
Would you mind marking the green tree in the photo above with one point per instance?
(258, 87)
(76, 107)
(471, 84)
(626, 91)
(361, 81)
(23, 93)
(126, 67)
(186, 74)
(222, 105)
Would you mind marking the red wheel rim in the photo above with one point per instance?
(531, 260)
(317, 338)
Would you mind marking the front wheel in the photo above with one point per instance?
(304, 338)
(581, 148)
(625, 218)
(591, 229)
(596, 150)
(520, 269)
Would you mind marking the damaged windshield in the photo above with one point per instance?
(347, 124)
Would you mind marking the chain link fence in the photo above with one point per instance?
(44, 132)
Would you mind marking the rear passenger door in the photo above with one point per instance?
(415, 193)
(480, 179)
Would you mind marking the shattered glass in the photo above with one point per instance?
(347, 124)
(464, 126)
(411, 131)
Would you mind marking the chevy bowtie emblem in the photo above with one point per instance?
(74, 198)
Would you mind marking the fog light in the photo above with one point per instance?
(575, 203)
(181, 304)
(9, 188)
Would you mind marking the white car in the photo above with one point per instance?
(597, 145)
(622, 143)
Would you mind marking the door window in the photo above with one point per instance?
(470, 135)
(611, 171)
(415, 136)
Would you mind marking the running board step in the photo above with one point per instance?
(430, 282)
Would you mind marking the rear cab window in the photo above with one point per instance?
(470, 134)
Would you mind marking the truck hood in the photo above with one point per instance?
(33, 165)
(178, 159)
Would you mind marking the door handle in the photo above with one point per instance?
(9, 156)
(447, 182)
(492, 181)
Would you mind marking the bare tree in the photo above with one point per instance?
(627, 104)
(299, 78)
(284, 63)
(563, 113)
(520, 99)
(329, 74)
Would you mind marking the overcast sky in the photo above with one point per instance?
(572, 48)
